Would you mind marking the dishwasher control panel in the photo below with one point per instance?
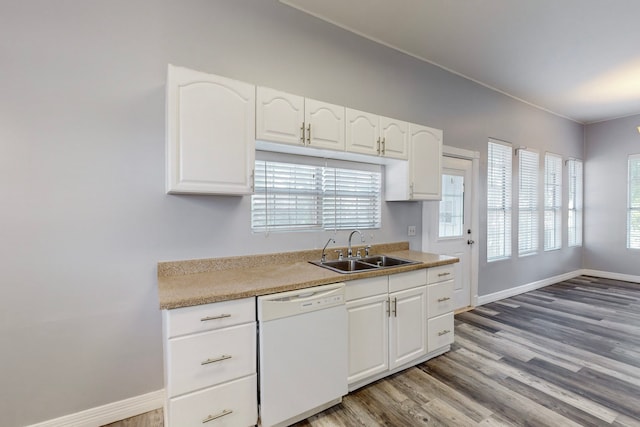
(290, 303)
(322, 302)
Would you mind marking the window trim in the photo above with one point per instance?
(631, 208)
(506, 195)
(575, 202)
(554, 208)
(532, 200)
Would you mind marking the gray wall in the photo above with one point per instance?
(608, 145)
(84, 215)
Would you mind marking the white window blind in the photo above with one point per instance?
(574, 204)
(552, 202)
(351, 199)
(633, 216)
(294, 196)
(498, 201)
(528, 162)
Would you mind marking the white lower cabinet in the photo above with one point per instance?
(440, 331)
(210, 364)
(386, 330)
(368, 337)
(440, 306)
(407, 333)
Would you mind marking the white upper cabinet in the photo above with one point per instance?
(279, 117)
(368, 133)
(420, 178)
(325, 124)
(425, 163)
(363, 132)
(395, 138)
(291, 119)
(210, 133)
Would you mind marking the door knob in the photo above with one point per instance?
(470, 242)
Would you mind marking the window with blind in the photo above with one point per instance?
(527, 202)
(633, 211)
(574, 204)
(552, 202)
(498, 201)
(298, 196)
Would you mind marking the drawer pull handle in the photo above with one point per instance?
(217, 359)
(443, 274)
(216, 416)
(222, 316)
(445, 332)
(443, 299)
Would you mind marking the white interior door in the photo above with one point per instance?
(447, 224)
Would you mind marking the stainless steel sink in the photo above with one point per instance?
(363, 264)
(345, 266)
(386, 261)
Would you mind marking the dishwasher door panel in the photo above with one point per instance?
(303, 363)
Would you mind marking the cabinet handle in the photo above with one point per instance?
(253, 180)
(395, 307)
(217, 359)
(445, 332)
(443, 299)
(378, 149)
(443, 274)
(309, 134)
(383, 147)
(222, 316)
(302, 133)
(388, 308)
(411, 190)
(216, 416)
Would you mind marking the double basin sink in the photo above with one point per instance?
(358, 265)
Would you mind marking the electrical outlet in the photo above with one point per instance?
(411, 231)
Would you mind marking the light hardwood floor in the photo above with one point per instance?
(564, 355)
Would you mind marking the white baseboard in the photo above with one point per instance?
(610, 275)
(485, 299)
(110, 412)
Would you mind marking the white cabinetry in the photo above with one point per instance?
(210, 364)
(375, 135)
(291, 119)
(210, 133)
(421, 177)
(440, 307)
(387, 324)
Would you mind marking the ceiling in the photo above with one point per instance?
(579, 59)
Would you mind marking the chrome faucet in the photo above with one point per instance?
(349, 250)
(323, 258)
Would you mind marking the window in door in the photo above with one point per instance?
(574, 204)
(633, 211)
(552, 202)
(451, 210)
(499, 201)
(527, 202)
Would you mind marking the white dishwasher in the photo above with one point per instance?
(302, 353)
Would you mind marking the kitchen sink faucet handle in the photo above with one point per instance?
(340, 255)
(366, 250)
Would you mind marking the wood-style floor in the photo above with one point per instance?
(564, 355)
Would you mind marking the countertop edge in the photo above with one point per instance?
(170, 298)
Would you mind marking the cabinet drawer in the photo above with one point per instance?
(440, 274)
(439, 331)
(363, 288)
(210, 358)
(200, 318)
(439, 298)
(408, 280)
(234, 404)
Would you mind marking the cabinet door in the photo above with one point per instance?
(368, 334)
(362, 132)
(395, 137)
(210, 133)
(325, 125)
(425, 163)
(279, 117)
(408, 326)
